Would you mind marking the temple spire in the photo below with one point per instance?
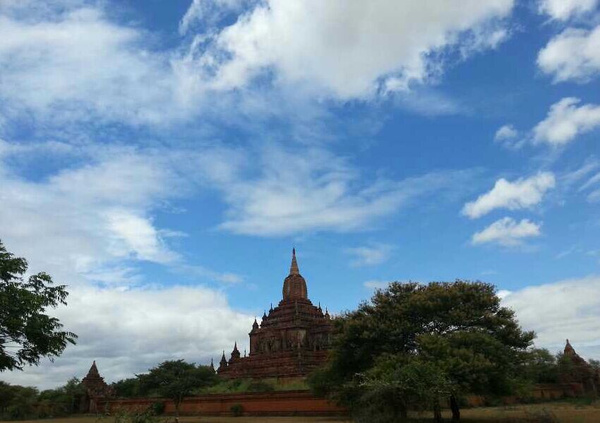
(294, 267)
(93, 372)
(569, 350)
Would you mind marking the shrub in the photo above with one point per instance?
(237, 410)
(157, 408)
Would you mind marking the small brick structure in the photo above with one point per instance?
(280, 403)
(96, 390)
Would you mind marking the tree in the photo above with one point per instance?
(541, 366)
(26, 333)
(457, 333)
(177, 379)
(127, 388)
(22, 402)
(61, 401)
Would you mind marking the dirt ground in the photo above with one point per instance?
(556, 412)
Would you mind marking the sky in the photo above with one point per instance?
(162, 159)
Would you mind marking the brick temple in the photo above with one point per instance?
(290, 341)
(95, 390)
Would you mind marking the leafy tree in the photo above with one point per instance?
(127, 388)
(541, 366)
(26, 332)
(22, 403)
(456, 333)
(177, 379)
(61, 401)
(6, 395)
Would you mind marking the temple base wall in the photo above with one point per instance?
(289, 403)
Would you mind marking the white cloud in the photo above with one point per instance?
(506, 133)
(565, 121)
(375, 284)
(557, 311)
(503, 293)
(208, 12)
(594, 196)
(72, 63)
(370, 255)
(335, 49)
(507, 232)
(521, 194)
(573, 55)
(289, 191)
(139, 236)
(564, 9)
(130, 331)
(93, 219)
(77, 208)
(89, 226)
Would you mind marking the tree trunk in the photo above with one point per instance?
(437, 412)
(455, 409)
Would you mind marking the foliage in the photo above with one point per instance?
(127, 388)
(457, 333)
(260, 386)
(22, 402)
(157, 408)
(62, 401)
(176, 379)
(394, 382)
(541, 366)
(237, 410)
(18, 402)
(26, 332)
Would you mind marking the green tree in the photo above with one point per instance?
(61, 401)
(541, 366)
(7, 393)
(457, 332)
(127, 388)
(177, 379)
(22, 403)
(26, 332)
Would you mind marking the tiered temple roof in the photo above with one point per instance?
(291, 340)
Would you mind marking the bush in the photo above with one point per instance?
(157, 408)
(237, 410)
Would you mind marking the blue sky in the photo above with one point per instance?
(162, 158)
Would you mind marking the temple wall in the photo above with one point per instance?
(288, 403)
(297, 403)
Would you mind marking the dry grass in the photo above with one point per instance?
(556, 412)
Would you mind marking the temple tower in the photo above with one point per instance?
(290, 341)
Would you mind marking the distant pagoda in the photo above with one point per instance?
(290, 341)
(96, 390)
